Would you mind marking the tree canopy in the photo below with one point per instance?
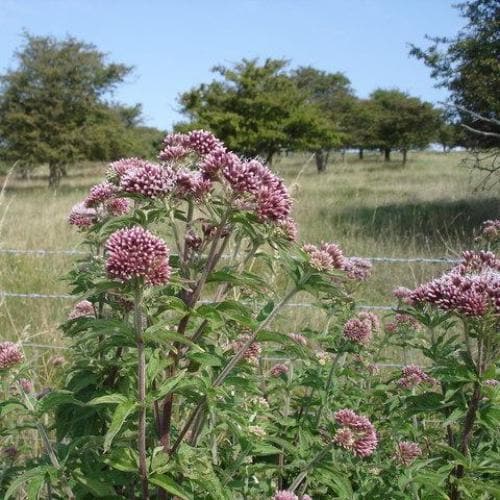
(257, 109)
(53, 106)
(468, 65)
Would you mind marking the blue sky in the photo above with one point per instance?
(173, 44)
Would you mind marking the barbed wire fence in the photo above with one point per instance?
(38, 252)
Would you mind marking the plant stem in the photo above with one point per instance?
(227, 370)
(308, 467)
(141, 391)
(328, 387)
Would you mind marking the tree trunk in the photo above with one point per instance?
(387, 154)
(405, 156)
(321, 157)
(54, 175)
(361, 153)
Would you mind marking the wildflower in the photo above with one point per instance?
(26, 384)
(117, 206)
(121, 167)
(192, 240)
(285, 495)
(336, 254)
(402, 321)
(326, 257)
(203, 142)
(252, 352)
(298, 338)
(402, 293)
(471, 288)
(358, 330)
(81, 309)
(288, 228)
(279, 369)
(195, 184)
(214, 162)
(411, 376)
(357, 268)
(10, 355)
(149, 180)
(136, 253)
(356, 434)
(491, 229)
(57, 361)
(491, 382)
(82, 216)
(323, 357)
(99, 194)
(407, 452)
(372, 318)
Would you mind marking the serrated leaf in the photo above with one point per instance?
(29, 475)
(108, 399)
(56, 398)
(168, 484)
(205, 358)
(123, 410)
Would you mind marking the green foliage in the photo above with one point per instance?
(257, 110)
(468, 65)
(53, 108)
(402, 122)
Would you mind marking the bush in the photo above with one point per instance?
(185, 381)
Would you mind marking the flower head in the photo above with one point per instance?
(10, 355)
(26, 384)
(149, 180)
(413, 375)
(252, 352)
(192, 184)
(279, 369)
(356, 434)
(285, 495)
(121, 167)
(491, 229)
(117, 206)
(472, 288)
(82, 216)
(407, 452)
(357, 268)
(298, 338)
(402, 321)
(360, 328)
(136, 253)
(203, 142)
(99, 194)
(82, 309)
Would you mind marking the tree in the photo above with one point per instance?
(468, 65)
(52, 104)
(333, 94)
(256, 110)
(402, 122)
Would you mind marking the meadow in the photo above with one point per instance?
(429, 208)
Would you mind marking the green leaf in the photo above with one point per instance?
(265, 311)
(96, 486)
(108, 399)
(169, 485)
(205, 358)
(426, 402)
(123, 459)
(123, 410)
(36, 474)
(56, 398)
(168, 386)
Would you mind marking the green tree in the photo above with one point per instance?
(52, 105)
(468, 65)
(333, 94)
(402, 122)
(257, 110)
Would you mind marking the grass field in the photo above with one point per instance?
(429, 208)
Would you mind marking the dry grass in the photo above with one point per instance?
(428, 208)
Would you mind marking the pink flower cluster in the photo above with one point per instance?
(328, 257)
(82, 309)
(82, 216)
(10, 355)
(121, 167)
(407, 452)
(253, 350)
(190, 183)
(149, 180)
(279, 369)
(136, 253)
(102, 197)
(402, 293)
(298, 338)
(413, 375)
(402, 321)
(285, 495)
(472, 288)
(356, 434)
(491, 229)
(361, 328)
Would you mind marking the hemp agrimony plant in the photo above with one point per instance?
(185, 378)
